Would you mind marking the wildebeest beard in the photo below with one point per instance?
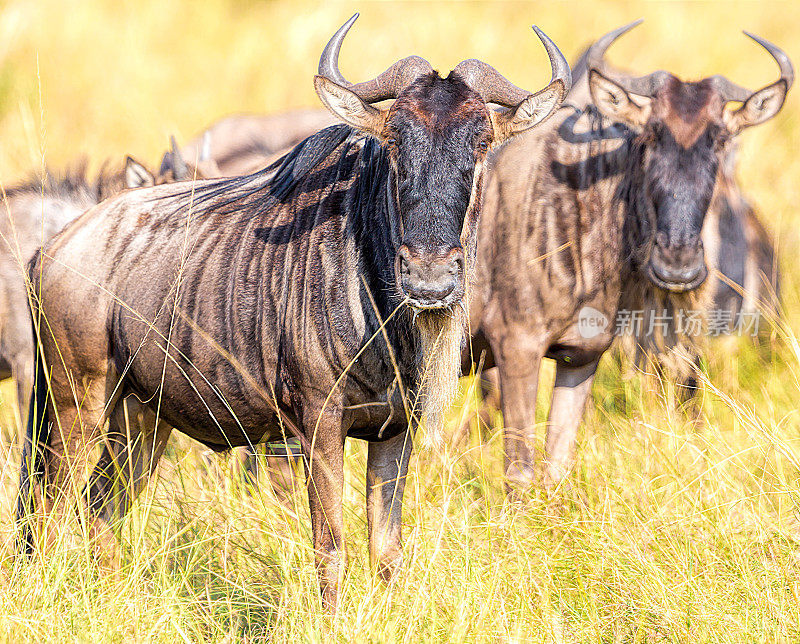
(442, 336)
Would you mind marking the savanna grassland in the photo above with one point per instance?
(671, 530)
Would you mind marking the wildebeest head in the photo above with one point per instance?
(437, 133)
(683, 130)
(173, 168)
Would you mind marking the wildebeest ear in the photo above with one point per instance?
(136, 175)
(343, 103)
(180, 170)
(529, 113)
(761, 106)
(615, 103)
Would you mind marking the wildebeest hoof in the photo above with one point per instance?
(388, 568)
(555, 477)
(520, 478)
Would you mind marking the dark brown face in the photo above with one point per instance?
(437, 133)
(683, 139)
(683, 130)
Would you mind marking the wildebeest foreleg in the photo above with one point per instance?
(278, 464)
(519, 382)
(325, 481)
(489, 385)
(387, 467)
(570, 394)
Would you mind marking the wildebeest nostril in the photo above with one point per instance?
(456, 264)
(404, 259)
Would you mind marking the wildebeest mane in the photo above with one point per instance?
(71, 183)
(261, 190)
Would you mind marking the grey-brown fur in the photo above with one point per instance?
(569, 227)
(256, 348)
(32, 213)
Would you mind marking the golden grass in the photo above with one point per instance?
(671, 531)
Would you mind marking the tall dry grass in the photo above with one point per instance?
(671, 530)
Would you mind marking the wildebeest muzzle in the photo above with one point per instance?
(430, 280)
(678, 267)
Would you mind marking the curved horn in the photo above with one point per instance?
(391, 82)
(730, 91)
(384, 86)
(179, 167)
(493, 87)
(643, 85)
(205, 149)
(329, 61)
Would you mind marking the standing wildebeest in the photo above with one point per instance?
(313, 298)
(243, 143)
(599, 211)
(33, 212)
(735, 241)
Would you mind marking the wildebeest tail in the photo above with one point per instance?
(37, 438)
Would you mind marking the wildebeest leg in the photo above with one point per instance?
(387, 466)
(245, 462)
(325, 481)
(687, 385)
(81, 412)
(134, 444)
(280, 471)
(518, 365)
(490, 393)
(22, 372)
(571, 391)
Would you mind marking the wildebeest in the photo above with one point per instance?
(743, 271)
(599, 211)
(314, 299)
(242, 143)
(34, 211)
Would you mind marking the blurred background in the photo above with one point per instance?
(105, 79)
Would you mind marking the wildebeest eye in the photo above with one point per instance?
(483, 146)
(391, 142)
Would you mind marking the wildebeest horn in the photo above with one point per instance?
(384, 86)
(205, 149)
(493, 87)
(179, 168)
(730, 91)
(648, 85)
(643, 85)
